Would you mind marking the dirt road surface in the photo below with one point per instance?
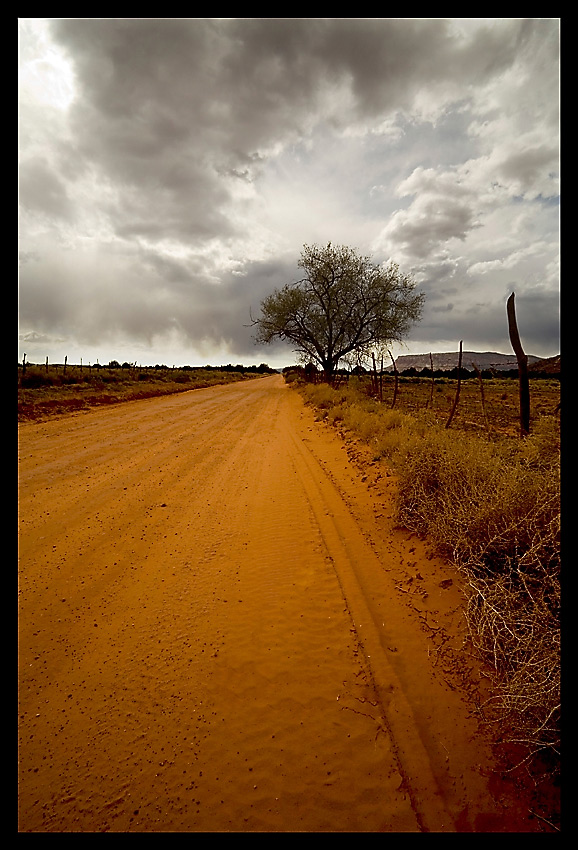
(220, 629)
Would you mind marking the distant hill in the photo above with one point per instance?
(483, 360)
(547, 365)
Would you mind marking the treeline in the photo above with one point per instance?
(263, 368)
(311, 373)
(465, 374)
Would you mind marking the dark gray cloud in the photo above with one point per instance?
(483, 326)
(440, 219)
(146, 296)
(171, 169)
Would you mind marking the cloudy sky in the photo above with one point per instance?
(171, 170)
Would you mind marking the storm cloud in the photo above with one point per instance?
(172, 169)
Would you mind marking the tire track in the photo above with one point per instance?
(347, 548)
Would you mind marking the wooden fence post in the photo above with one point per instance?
(457, 398)
(523, 381)
(481, 382)
(431, 395)
(374, 375)
(396, 379)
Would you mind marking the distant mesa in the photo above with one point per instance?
(482, 360)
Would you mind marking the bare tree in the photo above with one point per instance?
(344, 304)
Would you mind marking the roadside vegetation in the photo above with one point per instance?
(489, 501)
(60, 389)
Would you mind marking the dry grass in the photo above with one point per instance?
(490, 502)
(43, 393)
(494, 509)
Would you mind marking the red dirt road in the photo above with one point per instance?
(220, 629)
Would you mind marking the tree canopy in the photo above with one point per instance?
(344, 306)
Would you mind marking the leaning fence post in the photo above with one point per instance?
(523, 381)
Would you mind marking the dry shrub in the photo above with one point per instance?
(492, 506)
(385, 430)
(513, 620)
